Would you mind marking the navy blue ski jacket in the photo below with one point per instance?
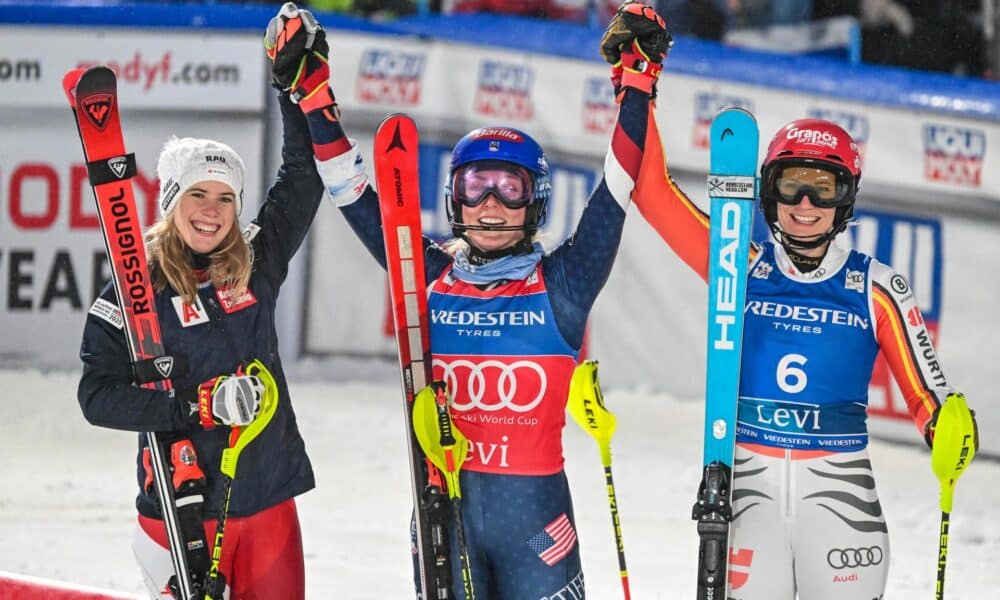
(274, 467)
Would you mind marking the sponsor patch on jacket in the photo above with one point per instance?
(108, 311)
(762, 270)
(230, 304)
(190, 314)
(251, 231)
(855, 281)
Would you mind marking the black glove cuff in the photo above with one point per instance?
(187, 404)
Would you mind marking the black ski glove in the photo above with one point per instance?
(297, 46)
(635, 44)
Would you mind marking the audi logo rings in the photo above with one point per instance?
(503, 387)
(850, 558)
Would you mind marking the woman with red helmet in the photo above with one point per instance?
(807, 521)
(507, 320)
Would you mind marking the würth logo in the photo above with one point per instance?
(98, 108)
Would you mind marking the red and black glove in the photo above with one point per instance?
(635, 44)
(297, 46)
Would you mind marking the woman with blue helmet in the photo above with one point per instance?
(507, 166)
(507, 320)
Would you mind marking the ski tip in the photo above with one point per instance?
(736, 112)
(70, 79)
(396, 132)
(396, 117)
(88, 80)
(734, 124)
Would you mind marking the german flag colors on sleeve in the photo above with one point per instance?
(906, 343)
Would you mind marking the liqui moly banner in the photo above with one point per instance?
(569, 106)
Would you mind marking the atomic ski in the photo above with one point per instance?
(732, 187)
(397, 178)
(93, 96)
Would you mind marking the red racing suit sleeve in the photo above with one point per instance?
(906, 343)
(678, 220)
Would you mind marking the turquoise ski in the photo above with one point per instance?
(732, 188)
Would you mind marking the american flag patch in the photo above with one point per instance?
(553, 543)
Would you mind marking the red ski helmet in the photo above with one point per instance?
(815, 143)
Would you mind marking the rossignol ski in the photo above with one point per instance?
(732, 187)
(93, 96)
(397, 178)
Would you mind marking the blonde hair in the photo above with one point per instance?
(229, 265)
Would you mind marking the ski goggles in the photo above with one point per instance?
(512, 185)
(825, 188)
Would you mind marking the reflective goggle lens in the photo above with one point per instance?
(825, 189)
(509, 184)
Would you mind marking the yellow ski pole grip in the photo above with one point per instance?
(954, 445)
(268, 406)
(441, 440)
(586, 406)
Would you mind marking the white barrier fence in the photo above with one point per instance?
(648, 326)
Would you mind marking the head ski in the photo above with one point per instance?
(732, 187)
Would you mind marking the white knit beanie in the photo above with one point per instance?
(186, 161)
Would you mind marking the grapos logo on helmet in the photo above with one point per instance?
(492, 385)
(812, 136)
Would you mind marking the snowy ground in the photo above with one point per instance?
(66, 495)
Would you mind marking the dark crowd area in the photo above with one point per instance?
(946, 36)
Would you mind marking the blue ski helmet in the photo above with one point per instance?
(508, 145)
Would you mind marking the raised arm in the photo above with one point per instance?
(635, 45)
(293, 199)
(300, 66)
(681, 224)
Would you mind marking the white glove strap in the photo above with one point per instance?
(344, 175)
(237, 400)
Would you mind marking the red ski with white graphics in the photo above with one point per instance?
(93, 96)
(397, 177)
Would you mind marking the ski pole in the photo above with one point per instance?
(239, 438)
(586, 405)
(955, 445)
(445, 446)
